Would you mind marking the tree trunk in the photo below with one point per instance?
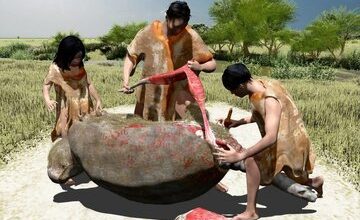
(231, 47)
(220, 46)
(245, 49)
(332, 53)
(342, 48)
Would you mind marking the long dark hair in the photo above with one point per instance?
(68, 48)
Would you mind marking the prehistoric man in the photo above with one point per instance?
(165, 46)
(285, 145)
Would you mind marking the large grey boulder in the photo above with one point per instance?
(150, 162)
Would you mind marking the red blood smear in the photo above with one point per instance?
(168, 77)
(192, 128)
(195, 87)
(135, 126)
(197, 91)
(202, 214)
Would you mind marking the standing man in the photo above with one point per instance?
(165, 46)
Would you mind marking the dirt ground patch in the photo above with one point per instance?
(27, 193)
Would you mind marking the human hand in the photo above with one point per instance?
(98, 106)
(51, 105)
(194, 65)
(227, 123)
(126, 89)
(229, 156)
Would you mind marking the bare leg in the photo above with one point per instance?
(252, 182)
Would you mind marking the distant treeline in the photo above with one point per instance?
(238, 26)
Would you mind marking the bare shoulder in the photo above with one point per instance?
(53, 68)
(192, 32)
(272, 104)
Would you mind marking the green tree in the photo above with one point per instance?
(241, 19)
(329, 32)
(217, 37)
(308, 44)
(346, 22)
(325, 35)
(122, 34)
(202, 30)
(277, 14)
(249, 21)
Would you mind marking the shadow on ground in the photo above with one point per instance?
(99, 199)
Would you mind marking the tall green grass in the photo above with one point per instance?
(35, 42)
(331, 112)
(331, 109)
(22, 115)
(22, 111)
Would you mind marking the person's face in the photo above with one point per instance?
(175, 25)
(240, 91)
(77, 60)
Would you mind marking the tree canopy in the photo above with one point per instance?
(253, 22)
(122, 34)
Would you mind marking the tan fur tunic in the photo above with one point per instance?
(292, 152)
(72, 97)
(161, 54)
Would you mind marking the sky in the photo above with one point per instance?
(94, 18)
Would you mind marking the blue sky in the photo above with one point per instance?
(93, 18)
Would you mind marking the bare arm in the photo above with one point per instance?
(50, 104)
(236, 123)
(93, 93)
(242, 121)
(272, 121)
(207, 67)
(46, 92)
(127, 70)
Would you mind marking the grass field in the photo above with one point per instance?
(350, 47)
(35, 41)
(331, 109)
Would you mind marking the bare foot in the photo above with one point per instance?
(246, 216)
(222, 187)
(317, 184)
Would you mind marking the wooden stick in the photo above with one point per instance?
(227, 120)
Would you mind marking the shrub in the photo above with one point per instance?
(327, 61)
(22, 55)
(286, 70)
(117, 52)
(94, 46)
(44, 52)
(260, 59)
(351, 62)
(8, 51)
(222, 55)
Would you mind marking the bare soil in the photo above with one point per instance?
(27, 193)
